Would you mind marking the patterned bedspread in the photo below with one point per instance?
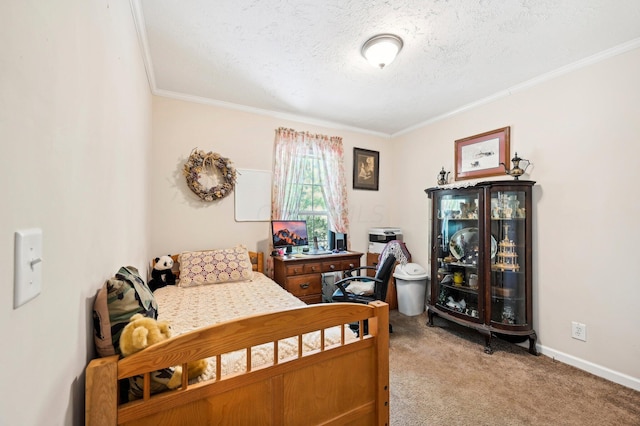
(189, 308)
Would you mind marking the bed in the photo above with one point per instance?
(274, 363)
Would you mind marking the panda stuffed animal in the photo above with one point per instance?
(162, 275)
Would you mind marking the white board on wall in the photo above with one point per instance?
(253, 195)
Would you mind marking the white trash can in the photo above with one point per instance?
(411, 288)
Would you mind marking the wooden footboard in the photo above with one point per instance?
(347, 383)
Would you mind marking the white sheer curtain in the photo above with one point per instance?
(289, 151)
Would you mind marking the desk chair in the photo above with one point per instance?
(358, 283)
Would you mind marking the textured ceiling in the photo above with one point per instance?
(302, 58)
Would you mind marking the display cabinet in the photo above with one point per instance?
(481, 259)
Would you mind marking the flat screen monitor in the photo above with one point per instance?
(289, 233)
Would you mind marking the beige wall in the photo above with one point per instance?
(581, 132)
(180, 221)
(75, 129)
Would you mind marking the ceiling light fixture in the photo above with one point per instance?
(380, 50)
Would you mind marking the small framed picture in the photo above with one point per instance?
(482, 155)
(366, 169)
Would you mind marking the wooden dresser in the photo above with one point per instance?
(302, 276)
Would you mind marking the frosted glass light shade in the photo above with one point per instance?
(382, 49)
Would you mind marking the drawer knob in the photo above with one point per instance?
(351, 266)
(332, 267)
(304, 285)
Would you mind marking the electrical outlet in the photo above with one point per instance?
(579, 331)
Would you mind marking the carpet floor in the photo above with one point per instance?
(441, 376)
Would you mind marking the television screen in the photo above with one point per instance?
(289, 233)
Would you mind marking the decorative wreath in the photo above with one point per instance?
(213, 163)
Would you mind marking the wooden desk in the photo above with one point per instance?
(302, 276)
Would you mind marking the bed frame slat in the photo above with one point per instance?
(240, 334)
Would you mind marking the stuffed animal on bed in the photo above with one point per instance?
(162, 275)
(142, 332)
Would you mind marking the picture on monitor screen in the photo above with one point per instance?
(289, 233)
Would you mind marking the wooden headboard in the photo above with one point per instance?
(257, 262)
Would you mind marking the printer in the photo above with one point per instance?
(379, 237)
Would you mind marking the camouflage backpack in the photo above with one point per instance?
(119, 299)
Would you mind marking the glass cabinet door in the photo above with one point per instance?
(481, 259)
(458, 245)
(508, 265)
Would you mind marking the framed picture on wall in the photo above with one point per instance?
(366, 169)
(481, 155)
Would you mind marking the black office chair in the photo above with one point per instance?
(380, 286)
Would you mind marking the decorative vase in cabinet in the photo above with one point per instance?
(481, 257)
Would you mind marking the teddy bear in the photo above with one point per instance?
(142, 332)
(161, 274)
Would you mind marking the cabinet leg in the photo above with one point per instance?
(532, 343)
(430, 316)
(487, 345)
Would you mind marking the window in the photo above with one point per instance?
(313, 203)
(309, 183)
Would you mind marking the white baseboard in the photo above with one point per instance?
(598, 370)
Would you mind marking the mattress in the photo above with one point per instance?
(189, 308)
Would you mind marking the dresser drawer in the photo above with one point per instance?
(296, 269)
(332, 266)
(312, 268)
(303, 285)
(304, 268)
(339, 265)
(311, 299)
(348, 264)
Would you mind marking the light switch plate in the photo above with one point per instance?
(27, 282)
